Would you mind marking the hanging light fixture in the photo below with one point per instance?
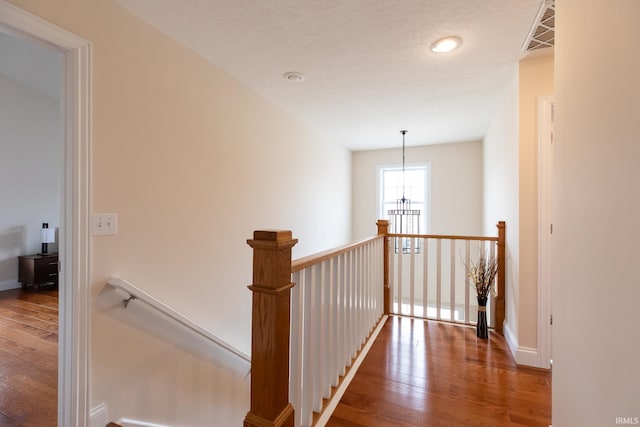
(405, 220)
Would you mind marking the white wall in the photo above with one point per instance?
(456, 187)
(192, 162)
(596, 373)
(31, 64)
(30, 171)
(501, 191)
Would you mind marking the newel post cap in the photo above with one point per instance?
(272, 239)
(383, 226)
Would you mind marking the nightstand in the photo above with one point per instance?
(38, 270)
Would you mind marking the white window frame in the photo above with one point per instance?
(427, 187)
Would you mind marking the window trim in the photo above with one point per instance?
(427, 186)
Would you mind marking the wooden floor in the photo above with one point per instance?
(433, 374)
(28, 357)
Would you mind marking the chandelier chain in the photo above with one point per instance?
(403, 132)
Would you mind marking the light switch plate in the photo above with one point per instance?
(105, 224)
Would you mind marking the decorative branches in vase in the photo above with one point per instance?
(482, 274)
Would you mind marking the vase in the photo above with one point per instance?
(482, 329)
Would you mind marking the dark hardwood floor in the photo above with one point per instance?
(433, 374)
(28, 357)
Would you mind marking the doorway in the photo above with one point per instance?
(74, 325)
(31, 164)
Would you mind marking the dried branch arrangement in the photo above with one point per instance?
(483, 273)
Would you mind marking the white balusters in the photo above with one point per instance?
(425, 279)
(338, 299)
(467, 260)
(438, 278)
(296, 345)
(336, 302)
(412, 277)
(434, 284)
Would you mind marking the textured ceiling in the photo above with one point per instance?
(369, 70)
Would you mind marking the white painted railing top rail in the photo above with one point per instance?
(138, 294)
(336, 303)
(427, 276)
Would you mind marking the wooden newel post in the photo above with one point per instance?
(383, 229)
(502, 270)
(270, 329)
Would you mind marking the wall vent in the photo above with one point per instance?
(542, 33)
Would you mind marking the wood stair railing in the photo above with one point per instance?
(271, 319)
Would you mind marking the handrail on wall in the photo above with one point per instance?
(137, 293)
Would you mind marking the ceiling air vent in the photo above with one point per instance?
(542, 32)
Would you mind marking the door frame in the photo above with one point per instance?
(74, 301)
(545, 230)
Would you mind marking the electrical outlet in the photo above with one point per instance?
(105, 224)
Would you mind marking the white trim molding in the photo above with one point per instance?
(510, 338)
(527, 356)
(522, 355)
(545, 231)
(5, 285)
(127, 422)
(98, 417)
(74, 320)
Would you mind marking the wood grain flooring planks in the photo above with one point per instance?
(28, 357)
(420, 373)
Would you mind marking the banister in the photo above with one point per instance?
(306, 262)
(138, 294)
(305, 308)
(499, 301)
(445, 237)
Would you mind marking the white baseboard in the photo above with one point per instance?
(98, 416)
(528, 357)
(511, 339)
(523, 355)
(127, 422)
(9, 284)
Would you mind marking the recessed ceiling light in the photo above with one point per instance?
(446, 44)
(294, 76)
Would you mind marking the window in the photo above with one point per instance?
(416, 184)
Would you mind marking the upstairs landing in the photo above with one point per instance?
(425, 373)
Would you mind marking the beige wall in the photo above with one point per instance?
(192, 162)
(501, 169)
(456, 186)
(596, 209)
(535, 80)
(511, 193)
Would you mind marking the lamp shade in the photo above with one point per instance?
(48, 235)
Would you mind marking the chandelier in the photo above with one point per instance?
(405, 220)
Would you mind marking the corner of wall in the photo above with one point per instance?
(511, 339)
(522, 355)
